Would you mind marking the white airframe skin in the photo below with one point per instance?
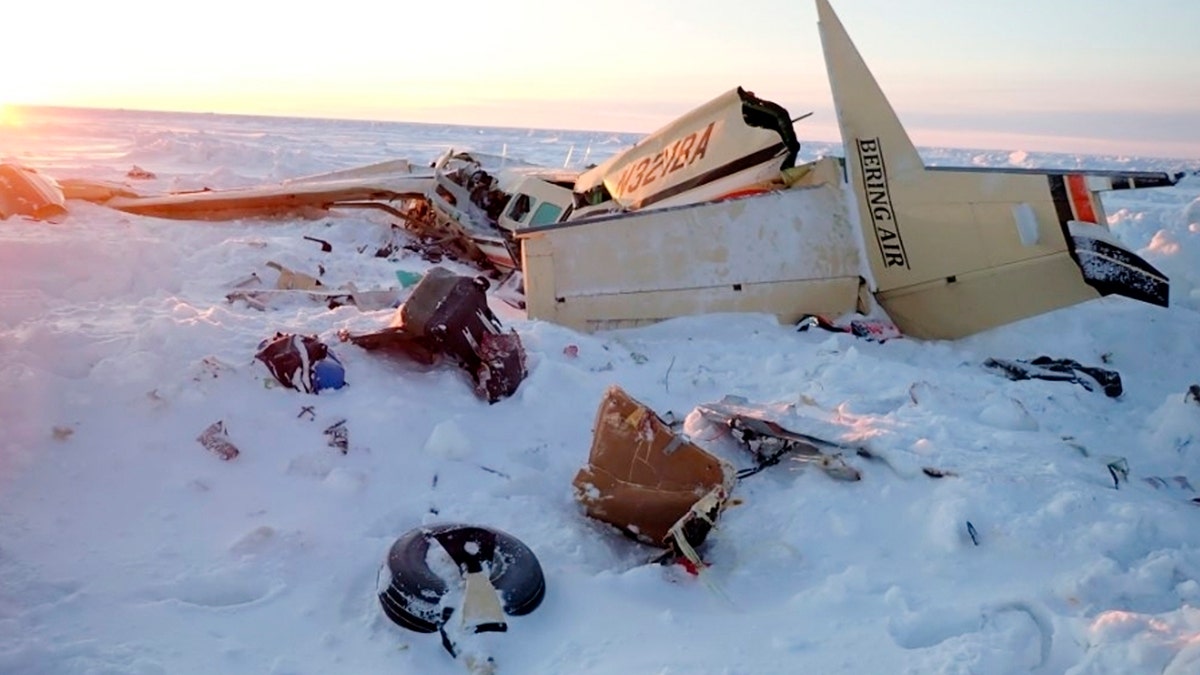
(947, 253)
(788, 253)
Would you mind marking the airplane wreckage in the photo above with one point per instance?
(712, 214)
(709, 214)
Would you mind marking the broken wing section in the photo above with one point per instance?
(26, 192)
(956, 251)
(384, 185)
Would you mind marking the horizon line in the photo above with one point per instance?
(838, 141)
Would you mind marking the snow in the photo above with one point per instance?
(126, 547)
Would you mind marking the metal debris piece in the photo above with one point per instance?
(338, 436)
(1119, 470)
(216, 439)
(326, 247)
(292, 280)
(645, 479)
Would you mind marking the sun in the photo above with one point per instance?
(10, 115)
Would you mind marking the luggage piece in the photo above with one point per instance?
(448, 314)
(301, 362)
(444, 299)
(451, 313)
(642, 477)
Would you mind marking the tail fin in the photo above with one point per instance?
(863, 111)
(951, 251)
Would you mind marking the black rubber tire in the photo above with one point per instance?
(412, 599)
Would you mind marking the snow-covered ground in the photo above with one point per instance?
(126, 547)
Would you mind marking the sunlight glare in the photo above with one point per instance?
(10, 116)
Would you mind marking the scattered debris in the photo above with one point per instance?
(138, 173)
(768, 441)
(292, 280)
(1119, 470)
(216, 439)
(1160, 483)
(649, 482)
(1176, 483)
(253, 299)
(210, 368)
(61, 433)
(511, 290)
(430, 250)
(448, 314)
(494, 472)
(326, 247)
(972, 533)
(251, 280)
(309, 411)
(1081, 448)
(1192, 395)
(934, 472)
(393, 242)
(1063, 370)
(301, 362)
(694, 526)
(874, 330)
(338, 436)
(407, 278)
(368, 301)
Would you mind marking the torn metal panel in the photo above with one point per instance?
(642, 477)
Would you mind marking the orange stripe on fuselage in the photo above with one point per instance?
(1081, 198)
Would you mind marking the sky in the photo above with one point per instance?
(1072, 75)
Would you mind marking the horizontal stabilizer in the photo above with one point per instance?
(1112, 269)
(1098, 180)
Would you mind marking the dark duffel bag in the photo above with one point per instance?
(448, 314)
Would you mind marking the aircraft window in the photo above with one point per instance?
(545, 214)
(521, 204)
